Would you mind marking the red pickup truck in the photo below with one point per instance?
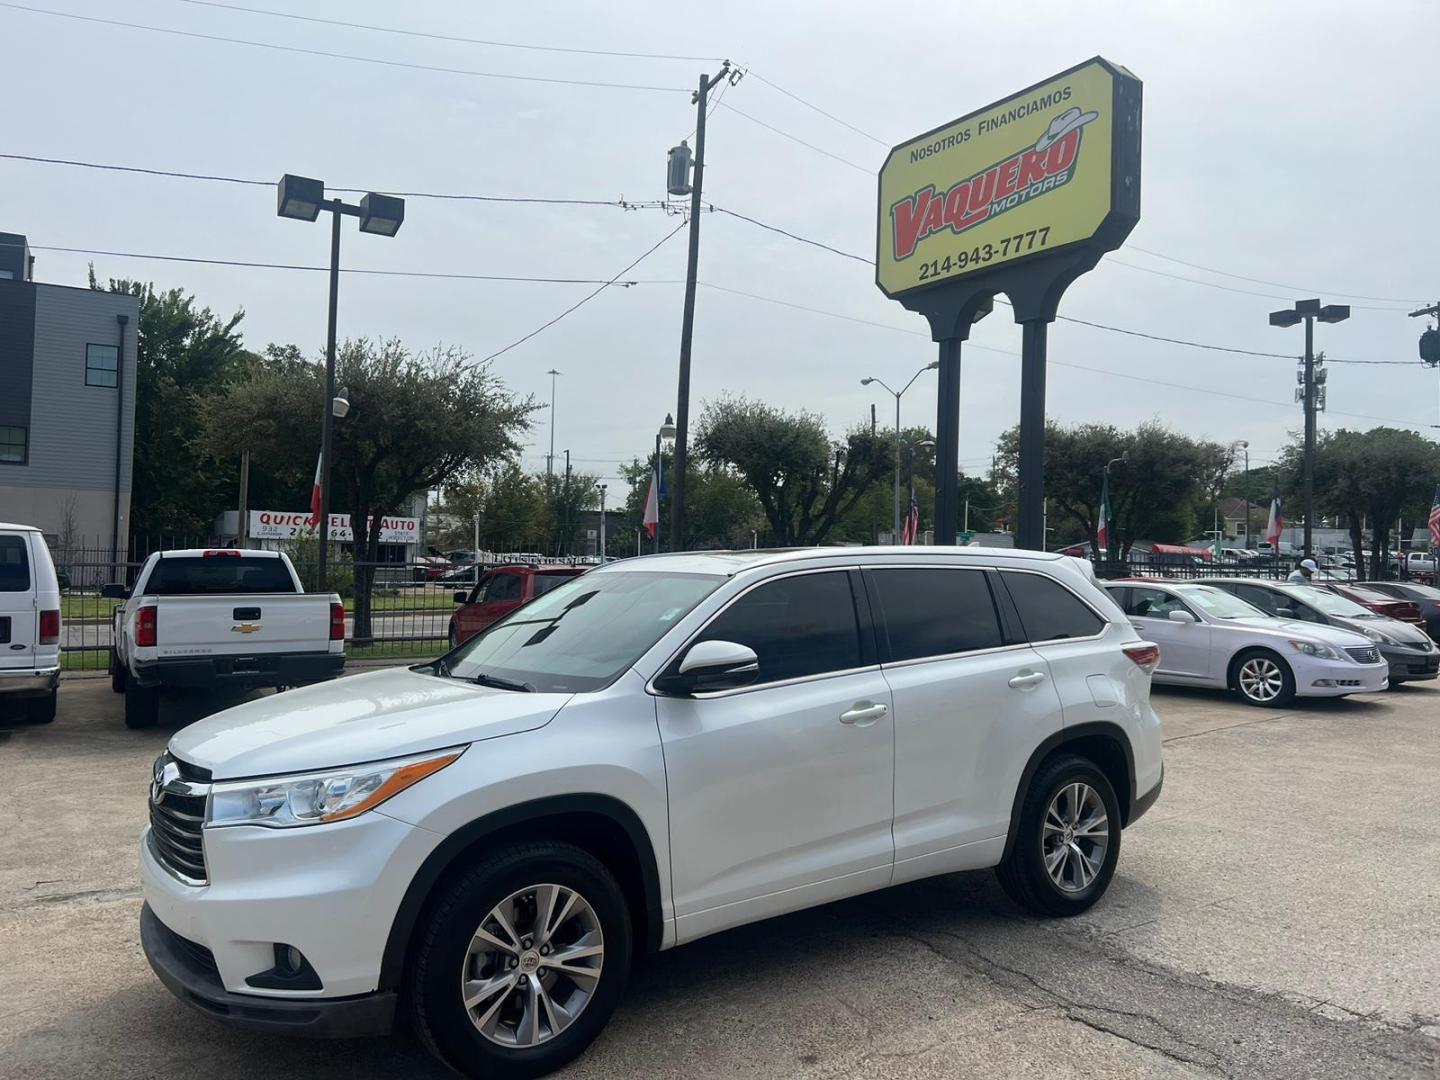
(500, 591)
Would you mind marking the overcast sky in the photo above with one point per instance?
(1289, 142)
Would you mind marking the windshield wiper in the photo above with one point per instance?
(501, 684)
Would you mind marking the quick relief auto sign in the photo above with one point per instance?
(275, 525)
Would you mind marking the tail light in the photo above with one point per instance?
(1146, 656)
(213, 553)
(145, 627)
(50, 627)
(337, 622)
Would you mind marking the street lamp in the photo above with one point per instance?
(1309, 310)
(1105, 515)
(898, 394)
(302, 198)
(550, 457)
(667, 434)
(1244, 446)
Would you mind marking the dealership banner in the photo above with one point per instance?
(274, 525)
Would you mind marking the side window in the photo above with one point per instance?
(1264, 599)
(482, 587)
(545, 582)
(798, 626)
(1149, 604)
(504, 587)
(1048, 610)
(932, 611)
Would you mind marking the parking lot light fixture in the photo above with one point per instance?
(897, 395)
(302, 198)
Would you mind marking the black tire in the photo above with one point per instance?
(118, 674)
(1281, 698)
(41, 710)
(142, 706)
(438, 954)
(1023, 873)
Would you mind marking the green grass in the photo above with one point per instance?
(411, 648)
(83, 607)
(89, 660)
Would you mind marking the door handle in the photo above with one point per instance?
(863, 715)
(1026, 679)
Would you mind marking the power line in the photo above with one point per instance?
(380, 61)
(444, 37)
(791, 235)
(1275, 284)
(822, 112)
(590, 296)
(1223, 288)
(802, 142)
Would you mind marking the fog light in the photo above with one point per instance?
(293, 960)
(1323, 682)
(291, 972)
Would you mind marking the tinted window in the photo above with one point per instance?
(219, 574)
(504, 587)
(803, 625)
(545, 582)
(14, 564)
(1263, 599)
(1148, 603)
(930, 611)
(1048, 610)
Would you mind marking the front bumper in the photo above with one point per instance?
(277, 669)
(1335, 678)
(29, 681)
(331, 891)
(1410, 664)
(188, 971)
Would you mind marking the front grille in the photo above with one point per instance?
(177, 816)
(1364, 654)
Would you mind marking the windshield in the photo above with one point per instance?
(1219, 604)
(1328, 602)
(581, 634)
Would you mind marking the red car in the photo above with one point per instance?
(500, 591)
(1404, 610)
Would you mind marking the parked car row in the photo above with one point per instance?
(1271, 642)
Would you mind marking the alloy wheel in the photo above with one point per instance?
(1075, 837)
(1261, 679)
(532, 966)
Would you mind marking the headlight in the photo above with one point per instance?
(1315, 649)
(312, 798)
(1376, 636)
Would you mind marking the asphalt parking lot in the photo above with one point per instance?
(1276, 915)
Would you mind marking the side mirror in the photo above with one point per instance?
(1177, 615)
(114, 592)
(713, 665)
(461, 596)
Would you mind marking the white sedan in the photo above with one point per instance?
(1208, 637)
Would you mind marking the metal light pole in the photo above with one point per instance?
(602, 524)
(898, 394)
(678, 182)
(1244, 446)
(550, 457)
(303, 198)
(666, 433)
(1310, 394)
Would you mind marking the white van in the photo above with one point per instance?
(29, 621)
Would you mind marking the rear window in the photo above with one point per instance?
(934, 611)
(14, 564)
(219, 574)
(545, 582)
(1048, 610)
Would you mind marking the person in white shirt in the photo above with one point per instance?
(1301, 574)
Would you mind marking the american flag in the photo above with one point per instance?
(911, 528)
(1435, 520)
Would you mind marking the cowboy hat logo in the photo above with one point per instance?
(1061, 126)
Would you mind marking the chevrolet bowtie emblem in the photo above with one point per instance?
(245, 628)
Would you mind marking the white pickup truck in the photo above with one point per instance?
(210, 617)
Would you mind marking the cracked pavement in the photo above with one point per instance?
(1275, 915)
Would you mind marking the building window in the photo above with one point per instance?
(13, 445)
(102, 365)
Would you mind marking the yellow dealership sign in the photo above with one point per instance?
(1045, 171)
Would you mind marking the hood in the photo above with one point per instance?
(1338, 636)
(381, 714)
(1406, 633)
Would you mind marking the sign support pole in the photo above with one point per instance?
(1030, 529)
(947, 442)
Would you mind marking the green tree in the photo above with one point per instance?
(416, 421)
(185, 352)
(803, 481)
(1154, 494)
(720, 511)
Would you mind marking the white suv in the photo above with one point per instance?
(655, 751)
